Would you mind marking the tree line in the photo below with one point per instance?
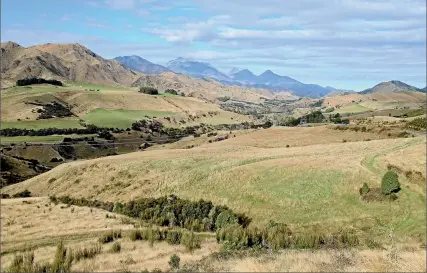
(34, 80)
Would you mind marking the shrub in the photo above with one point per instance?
(174, 237)
(390, 183)
(117, 207)
(364, 189)
(174, 262)
(190, 241)
(148, 90)
(277, 235)
(116, 247)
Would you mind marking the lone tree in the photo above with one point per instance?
(390, 183)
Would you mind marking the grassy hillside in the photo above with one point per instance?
(109, 107)
(120, 118)
(315, 184)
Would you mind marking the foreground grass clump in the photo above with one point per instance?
(173, 237)
(116, 247)
(63, 259)
(110, 236)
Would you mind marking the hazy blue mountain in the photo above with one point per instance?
(245, 77)
(275, 82)
(233, 71)
(196, 69)
(139, 64)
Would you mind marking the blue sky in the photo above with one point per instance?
(349, 44)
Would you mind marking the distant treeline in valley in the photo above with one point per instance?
(34, 80)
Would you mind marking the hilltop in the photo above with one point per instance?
(72, 62)
(391, 86)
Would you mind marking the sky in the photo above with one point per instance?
(347, 44)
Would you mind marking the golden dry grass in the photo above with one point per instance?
(324, 261)
(309, 183)
(35, 221)
(30, 224)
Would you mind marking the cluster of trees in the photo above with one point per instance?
(34, 80)
(90, 129)
(171, 91)
(337, 119)
(168, 211)
(148, 90)
(315, 117)
(54, 109)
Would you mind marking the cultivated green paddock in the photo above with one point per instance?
(61, 123)
(120, 118)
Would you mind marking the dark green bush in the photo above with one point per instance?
(390, 183)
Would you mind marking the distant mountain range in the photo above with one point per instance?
(392, 86)
(139, 64)
(240, 77)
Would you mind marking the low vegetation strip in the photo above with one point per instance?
(232, 229)
(168, 211)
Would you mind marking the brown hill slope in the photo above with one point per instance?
(63, 61)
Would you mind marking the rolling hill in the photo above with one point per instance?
(391, 86)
